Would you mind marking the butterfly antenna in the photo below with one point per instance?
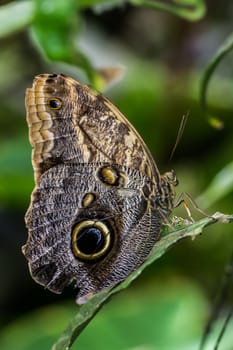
(179, 134)
(221, 297)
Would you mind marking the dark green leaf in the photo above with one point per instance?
(191, 10)
(224, 49)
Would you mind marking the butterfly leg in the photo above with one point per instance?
(182, 199)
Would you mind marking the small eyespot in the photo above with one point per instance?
(91, 240)
(110, 175)
(88, 199)
(55, 103)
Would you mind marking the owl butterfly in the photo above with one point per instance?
(99, 199)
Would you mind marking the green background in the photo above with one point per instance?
(163, 57)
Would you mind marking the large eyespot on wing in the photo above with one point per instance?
(134, 245)
(91, 239)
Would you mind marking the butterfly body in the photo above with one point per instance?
(99, 199)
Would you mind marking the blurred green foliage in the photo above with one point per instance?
(56, 23)
(159, 321)
(164, 58)
(146, 323)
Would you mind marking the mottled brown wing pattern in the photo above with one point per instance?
(87, 128)
(99, 200)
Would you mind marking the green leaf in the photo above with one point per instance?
(191, 10)
(15, 16)
(220, 186)
(89, 309)
(223, 50)
(55, 27)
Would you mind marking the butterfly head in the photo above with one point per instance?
(170, 177)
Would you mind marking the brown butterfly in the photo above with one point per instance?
(99, 199)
